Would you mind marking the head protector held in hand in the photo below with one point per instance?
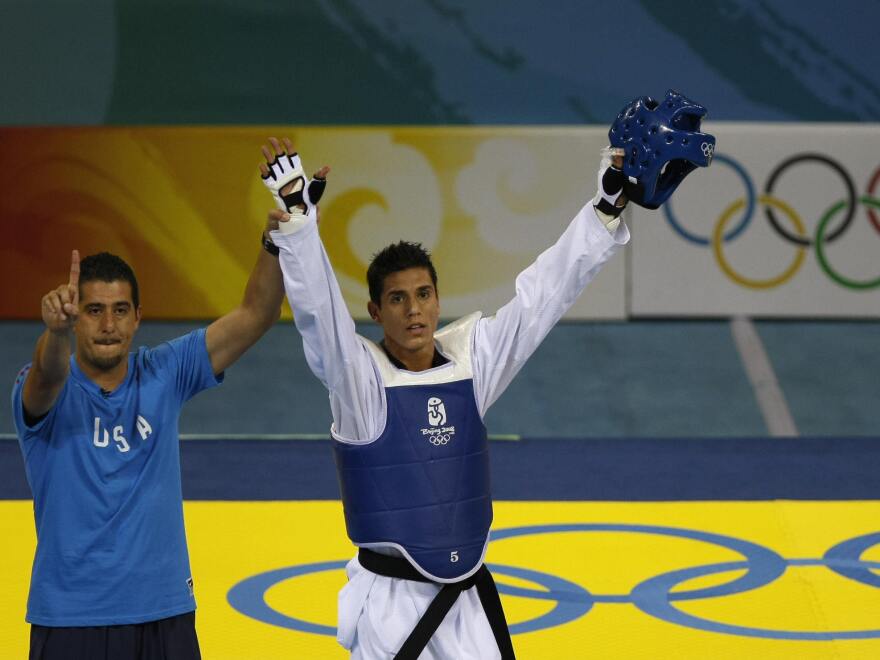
(661, 143)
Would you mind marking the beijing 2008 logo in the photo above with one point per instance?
(657, 596)
(795, 232)
(437, 433)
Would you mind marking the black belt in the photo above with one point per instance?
(398, 567)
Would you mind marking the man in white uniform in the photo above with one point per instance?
(407, 419)
(410, 446)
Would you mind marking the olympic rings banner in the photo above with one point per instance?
(186, 207)
(786, 222)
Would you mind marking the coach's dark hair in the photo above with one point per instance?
(394, 258)
(106, 267)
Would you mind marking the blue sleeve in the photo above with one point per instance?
(186, 362)
(24, 431)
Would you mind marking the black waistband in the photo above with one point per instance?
(398, 567)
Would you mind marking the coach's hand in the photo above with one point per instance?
(285, 178)
(60, 307)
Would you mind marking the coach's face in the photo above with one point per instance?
(106, 323)
(408, 313)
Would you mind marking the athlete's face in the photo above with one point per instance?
(106, 324)
(408, 314)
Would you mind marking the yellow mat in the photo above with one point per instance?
(578, 579)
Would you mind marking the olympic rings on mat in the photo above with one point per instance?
(655, 596)
(249, 597)
(787, 274)
(834, 165)
(852, 550)
(820, 250)
(645, 598)
(800, 236)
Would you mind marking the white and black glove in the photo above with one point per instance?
(610, 201)
(293, 191)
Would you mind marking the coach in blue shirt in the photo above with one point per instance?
(98, 431)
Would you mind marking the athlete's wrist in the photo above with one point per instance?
(268, 245)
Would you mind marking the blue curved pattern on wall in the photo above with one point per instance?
(790, 56)
(433, 61)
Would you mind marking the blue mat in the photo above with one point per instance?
(546, 469)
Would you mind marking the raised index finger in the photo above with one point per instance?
(74, 268)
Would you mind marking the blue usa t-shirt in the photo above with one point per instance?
(104, 469)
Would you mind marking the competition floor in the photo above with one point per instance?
(788, 568)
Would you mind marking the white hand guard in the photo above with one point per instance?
(607, 202)
(293, 192)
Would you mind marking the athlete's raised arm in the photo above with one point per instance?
(334, 352)
(653, 147)
(544, 292)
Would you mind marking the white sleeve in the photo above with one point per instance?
(544, 292)
(334, 352)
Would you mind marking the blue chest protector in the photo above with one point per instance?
(423, 485)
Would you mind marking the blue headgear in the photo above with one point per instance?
(662, 144)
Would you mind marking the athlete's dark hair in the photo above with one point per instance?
(106, 267)
(394, 258)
